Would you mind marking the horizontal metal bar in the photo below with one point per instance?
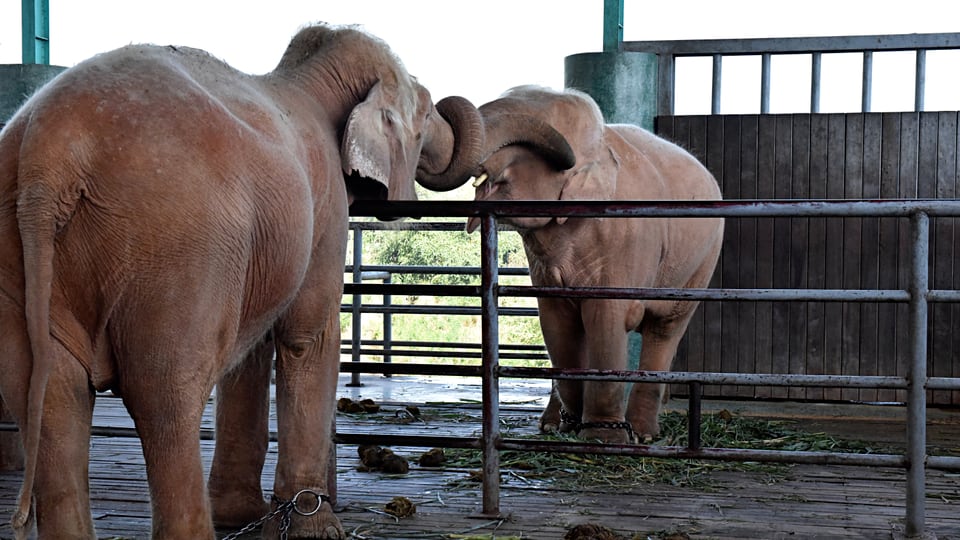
(395, 352)
(661, 209)
(796, 45)
(762, 295)
(717, 454)
(410, 289)
(943, 383)
(340, 438)
(752, 295)
(409, 369)
(447, 345)
(438, 310)
(432, 270)
(747, 379)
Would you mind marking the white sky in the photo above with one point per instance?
(478, 49)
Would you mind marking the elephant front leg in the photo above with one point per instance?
(307, 370)
(243, 434)
(563, 336)
(606, 348)
(555, 417)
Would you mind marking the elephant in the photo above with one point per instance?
(169, 225)
(544, 144)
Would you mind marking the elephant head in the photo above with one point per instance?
(543, 145)
(387, 141)
(392, 132)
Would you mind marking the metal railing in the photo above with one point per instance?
(387, 347)
(917, 295)
(767, 48)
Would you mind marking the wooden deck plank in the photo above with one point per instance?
(809, 502)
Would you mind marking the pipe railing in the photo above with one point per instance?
(916, 294)
(669, 51)
(491, 442)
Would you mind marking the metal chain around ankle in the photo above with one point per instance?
(285, 510)
(577, 425)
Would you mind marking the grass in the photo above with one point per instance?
(720, 430)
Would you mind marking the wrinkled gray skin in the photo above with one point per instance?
(547, 145)
(167, 224)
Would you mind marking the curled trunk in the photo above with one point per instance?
(465, 134)
(504, 128)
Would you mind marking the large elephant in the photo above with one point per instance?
(167, 224)
(548, 145)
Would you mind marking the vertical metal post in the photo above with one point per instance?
(666, 73)
(815, 62)
(387, 326)
(715, 88)
(866, 86)
(356, 327)
(490, 354)
(765, 61)
(612, 25)
(695, 416)
(920, 81)
(916, 391)
(35, 21)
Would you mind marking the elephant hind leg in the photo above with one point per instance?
(62, 488)
(168, 422)
(243, 408)
(660, 340)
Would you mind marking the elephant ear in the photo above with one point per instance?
(373, 148)
(593, 181)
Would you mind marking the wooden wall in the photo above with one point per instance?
(824, 156)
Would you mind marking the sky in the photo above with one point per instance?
(478, 49)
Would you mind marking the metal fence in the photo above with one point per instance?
(917, 295)
(767, 48)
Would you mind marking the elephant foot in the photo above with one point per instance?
(237, 509)
(647, 429)
(608, 432)
(322, 525)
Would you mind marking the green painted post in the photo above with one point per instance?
(35, 18)
(612, 25)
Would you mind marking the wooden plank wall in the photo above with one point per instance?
(823, 156)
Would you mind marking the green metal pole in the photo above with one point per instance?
(612, 25)
(35, 17)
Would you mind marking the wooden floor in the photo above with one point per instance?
(809, 502)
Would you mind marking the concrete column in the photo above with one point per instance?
(17, 83)
(624, 84)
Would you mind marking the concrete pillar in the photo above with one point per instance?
(17, 83)
(624, 85)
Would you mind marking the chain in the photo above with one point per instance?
(577, 425)
(285, 510)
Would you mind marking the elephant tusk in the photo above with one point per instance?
(479, 180)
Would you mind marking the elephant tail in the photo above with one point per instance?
(38, 207)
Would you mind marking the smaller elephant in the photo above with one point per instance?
(548, 145)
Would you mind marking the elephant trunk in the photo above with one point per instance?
(506, 128)
(456, 142)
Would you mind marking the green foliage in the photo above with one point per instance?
(445, 249)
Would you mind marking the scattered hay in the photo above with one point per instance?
(721, 430)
